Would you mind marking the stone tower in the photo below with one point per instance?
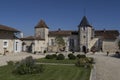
(85, 34)
(41, 30)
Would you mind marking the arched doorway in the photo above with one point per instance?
(84, 49)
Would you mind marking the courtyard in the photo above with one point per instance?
(105, 67)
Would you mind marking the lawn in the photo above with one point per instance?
(56, 72)
(65, 61)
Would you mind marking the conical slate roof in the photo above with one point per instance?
(84, 23)
(41, 24)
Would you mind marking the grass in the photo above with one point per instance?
(65, 61)
(56, 72)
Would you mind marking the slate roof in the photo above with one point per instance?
(107, 34)
(41, 24)
(6, 28)
(84, 22)
(32, 38)
(104, 34)
(62, 33)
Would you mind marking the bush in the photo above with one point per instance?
(81, 56)
(85, 62)
(27, 66)
(10, 63)
(90, 60)
(60, 57)
(78, 56)
(71, 56)
(49, 56)
(54, 55)
(80, 63)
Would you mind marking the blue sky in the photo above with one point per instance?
(65, 14)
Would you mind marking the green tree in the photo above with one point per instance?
(60, 42)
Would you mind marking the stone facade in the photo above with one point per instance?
(110, 45)
(9, 43)
(82, 40)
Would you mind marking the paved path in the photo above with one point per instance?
(17, 57)
(106, 67)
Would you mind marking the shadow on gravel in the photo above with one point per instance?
(116, 56)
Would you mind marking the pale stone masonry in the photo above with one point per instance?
(9, 43)
(85, 39)
(82, 40)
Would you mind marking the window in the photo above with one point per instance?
(16, 45)
(5, 43)
(52, 41)
(71, 42)
(84, 28)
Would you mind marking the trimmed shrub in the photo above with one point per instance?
(49, 56)
(85, 62)
(81, 62)
(71, 56)
(78, 56)
(10, 63)
(54, 55)
(90, 60)
(60, 57)
(27, 66)
(81, 56)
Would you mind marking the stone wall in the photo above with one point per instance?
(53, 46)
(110, 45)
(85, 35)
(9, 46)
(40, 46)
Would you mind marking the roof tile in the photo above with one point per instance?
(6, 28)
(41, 24)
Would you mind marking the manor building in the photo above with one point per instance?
(9, 43)
(86, 38)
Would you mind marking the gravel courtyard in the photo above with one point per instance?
(106, 67)
(17, 57)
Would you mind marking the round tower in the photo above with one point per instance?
(85, 34)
